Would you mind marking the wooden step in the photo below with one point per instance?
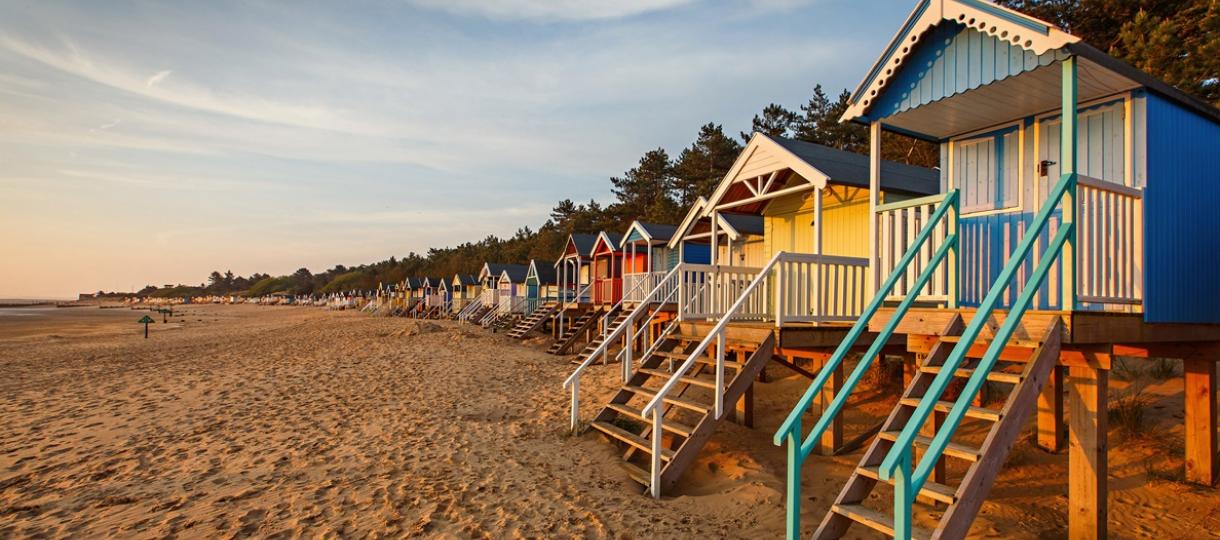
(982, 413)
(640, 443)
(965, 373)
(873, 519)
(697, 381)
(638, 414)
(677, 401)
(959, 451)
(702, 359)
(728, 342)
(637, 473)
(932, 490)
(1015, 351)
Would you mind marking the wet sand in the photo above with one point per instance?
(295, 422)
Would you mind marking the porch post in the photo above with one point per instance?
(715, 240)
(1067, 165)
(817, 222)
(874, 197)
(815, 299)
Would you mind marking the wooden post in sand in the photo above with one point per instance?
(1200, 400)
(146, 321)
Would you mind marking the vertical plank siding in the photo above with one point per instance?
(1182, 251)
(952, 60)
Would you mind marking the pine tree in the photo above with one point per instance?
(775, 121)
(701, 166)
(644, 192)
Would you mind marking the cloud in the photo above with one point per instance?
(550, 10)
(158, 77)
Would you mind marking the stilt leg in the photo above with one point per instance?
(745, 408)
(1050, 412)
(832, 439)
(1200, 378)
(1087, 462)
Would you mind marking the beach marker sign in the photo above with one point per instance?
(146, 321)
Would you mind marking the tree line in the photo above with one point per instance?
(1177, 41)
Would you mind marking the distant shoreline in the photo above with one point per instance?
(36, 303)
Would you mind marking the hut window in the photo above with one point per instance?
(985, 169)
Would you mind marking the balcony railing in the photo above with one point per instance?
(1109, 243)
(607, 290)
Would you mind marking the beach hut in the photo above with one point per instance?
(786, 231)
(542, 299)
(465, 291)
(541, 284)
(415, 295)
(512, 290)
(572, 268)
(741, 237)
(1073, 189)
(606, 266)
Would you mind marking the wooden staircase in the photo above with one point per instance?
(689, 412)
(478, 313)
(535, 320)
(594, 343)
(1023, 368)
(579, 327)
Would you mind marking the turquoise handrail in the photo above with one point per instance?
(790, 430)
(898, 461)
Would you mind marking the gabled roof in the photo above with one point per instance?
(414, 282)
(739, 224)
(652, 232)
(544, 273)
(1007, 24)
(610, 240)
(495, 269)
(766, 165)
(582, 242)
(850, 168)
(692, 216)
(1100, 73)
(465, 279)
(514, 273)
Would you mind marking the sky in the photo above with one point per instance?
(153, 142)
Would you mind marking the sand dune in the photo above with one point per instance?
(289, 422)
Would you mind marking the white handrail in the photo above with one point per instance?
(573, 380)
(618, 306)
(565, 302)
(717, 333)
(627, 350)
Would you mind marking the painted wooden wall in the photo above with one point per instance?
(788, 223)
(1182, 252)
(692, 253)
(991, 232)
(751, 253)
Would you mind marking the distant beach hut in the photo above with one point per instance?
(607, 261)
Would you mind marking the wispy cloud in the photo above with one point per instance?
(158, 77)
(342, 134)
(551, 10)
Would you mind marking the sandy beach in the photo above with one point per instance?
(235, 421)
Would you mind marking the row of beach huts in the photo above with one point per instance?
(1072, 219)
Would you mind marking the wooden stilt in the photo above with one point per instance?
(1200, 397)
(832, 439)
(1051, 426)
(1087, 460)
(745, 408)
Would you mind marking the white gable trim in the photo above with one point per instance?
(1002, 23)
(788, 160)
